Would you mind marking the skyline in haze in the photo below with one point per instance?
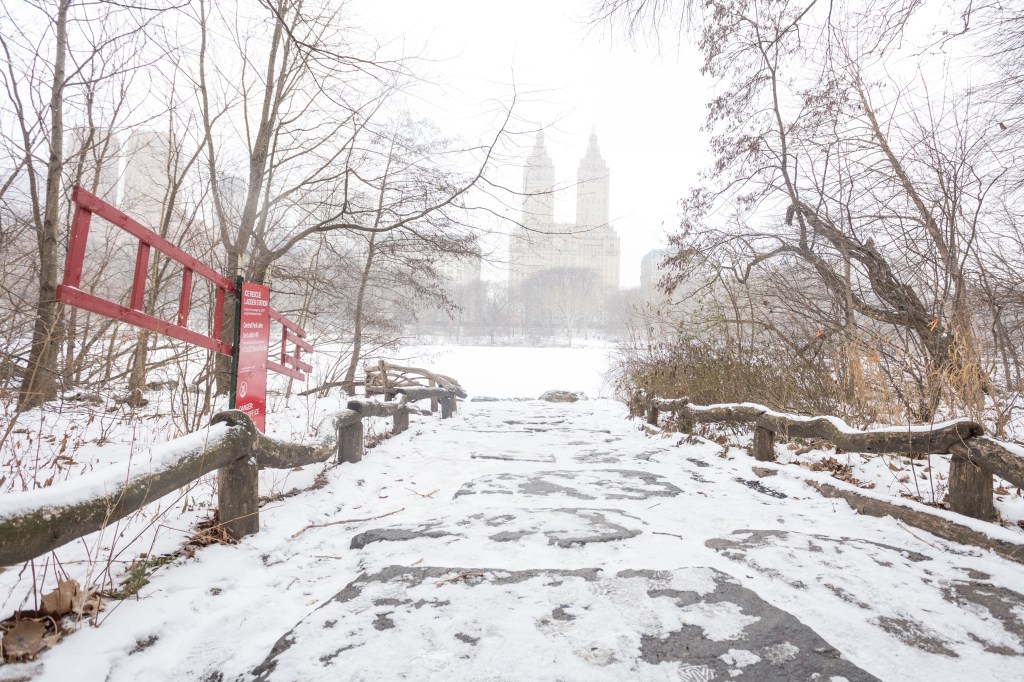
(571, 79)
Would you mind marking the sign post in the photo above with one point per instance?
(253, 347)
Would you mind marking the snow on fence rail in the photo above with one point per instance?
(975, 457)
(38, 521)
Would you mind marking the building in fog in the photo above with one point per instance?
(460, 270)
(461, 286)
(146, 176)
(693, 285)
(539, 243)
(94, 157)
(651, 273)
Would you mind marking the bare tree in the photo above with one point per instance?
(79, 48)
(283, 90)
(883, 192)
(320, 127)
(40, 381)
(569, 298)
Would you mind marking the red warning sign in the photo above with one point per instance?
(253, 347)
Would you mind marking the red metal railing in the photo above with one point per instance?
(291, 365)
(70, 293)
(87, 205)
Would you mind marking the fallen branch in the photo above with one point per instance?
(461, 576)
(429, 495)
(671, 535)
(343, 521)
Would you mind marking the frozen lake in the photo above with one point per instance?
(514, 371)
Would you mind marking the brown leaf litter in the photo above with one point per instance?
(27, 633)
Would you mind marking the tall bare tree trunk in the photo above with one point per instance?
(40, 383)
(349, 384)
(274, 83)
(137, 377)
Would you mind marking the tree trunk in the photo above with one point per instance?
(137, 378)
(349, 383)
(40, 383)
(70, 358)
(222, 363)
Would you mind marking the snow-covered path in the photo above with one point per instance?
(537, 541)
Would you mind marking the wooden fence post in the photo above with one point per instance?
(350, 442)
(970, 489)
(764, 445)
(238, 498)
(382, 366)
(433, 401)
(401, 421)
(652, 415)
(447, 406)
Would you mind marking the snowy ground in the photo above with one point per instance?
(535, 541)
(88, 431)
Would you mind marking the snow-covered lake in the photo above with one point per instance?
(517, 372)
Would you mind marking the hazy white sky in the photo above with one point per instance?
(646, 106)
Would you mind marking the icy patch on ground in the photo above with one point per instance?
(482, 624)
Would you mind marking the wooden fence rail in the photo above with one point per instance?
(385, 378)
(975, 457)
(40, 521)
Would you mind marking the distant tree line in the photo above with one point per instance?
(554, 306)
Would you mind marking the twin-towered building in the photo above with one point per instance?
(539, 243)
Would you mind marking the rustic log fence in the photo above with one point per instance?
(40, 521)
(975, 457)
(388, 379)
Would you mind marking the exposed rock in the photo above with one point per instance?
(764, 490)
(514, 457)
(88, 398)
(559, 396)
(396, 535)
(134, 398)
(915, 634)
